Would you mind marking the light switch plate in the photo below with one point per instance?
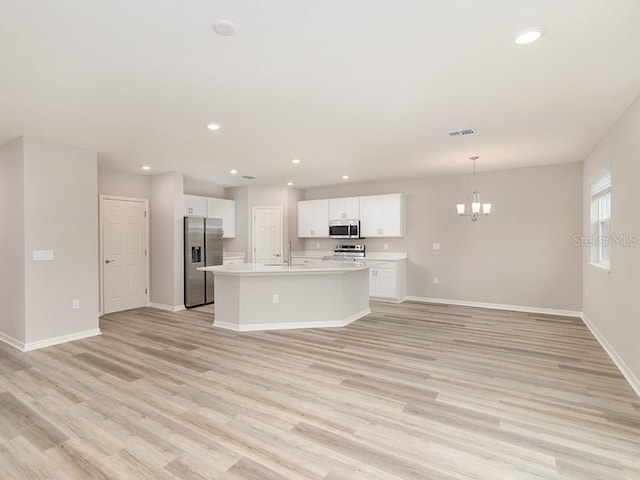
(436, 281)
(436, 246)
(41, 255)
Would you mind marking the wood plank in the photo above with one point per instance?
(411, 391)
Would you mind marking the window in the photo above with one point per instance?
(601, 220)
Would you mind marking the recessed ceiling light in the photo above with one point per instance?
(530, 35)
(226, 28)
(213, 126)
(295, 160)
(233, 171)
(289, 183)
(345, 177)
(146, 167)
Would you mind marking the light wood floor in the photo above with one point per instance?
(412, 391)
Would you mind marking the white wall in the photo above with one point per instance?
(53, 197)
(61, 214)
(12, 253)
(204, 188)
(611, 299)
(263, 196)
(166, 241)
(121, 184)
(522, 254)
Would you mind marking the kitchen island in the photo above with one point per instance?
(251, 296)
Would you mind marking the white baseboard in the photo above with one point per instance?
(498, 306)
(388, 300)
(169, 308)
(617, 359)
(253, 327)
(15, 343)
(48, 342)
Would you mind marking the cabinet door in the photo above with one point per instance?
(392, 215)
(382, 215)
(226, 210)
(371, 216)
(386, 285)
(313, 218)
(195, 206)
(344, 208)
(372, 282)
(305, 220)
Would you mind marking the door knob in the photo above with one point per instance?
(109, 261)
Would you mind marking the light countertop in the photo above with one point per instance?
(326, 267)
(383, 256)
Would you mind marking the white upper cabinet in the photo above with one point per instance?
(195, 206)
(226, 210)
(313, 218)
(382, 216)
(344, 208)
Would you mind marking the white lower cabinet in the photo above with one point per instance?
(388, 280)
(382, 282)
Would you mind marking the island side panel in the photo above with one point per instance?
(303, 300)
(227, 301)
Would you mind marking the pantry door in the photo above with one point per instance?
(124, 253)
(267, 234)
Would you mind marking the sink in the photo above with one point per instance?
(280, 264)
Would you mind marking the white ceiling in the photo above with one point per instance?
(368, 88)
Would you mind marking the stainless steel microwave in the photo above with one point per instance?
(344, 229)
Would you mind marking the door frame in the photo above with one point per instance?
(101, 246)
(253, 228)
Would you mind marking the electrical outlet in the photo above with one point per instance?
(386, 246)
(75, 304)
(317, 245)
(276, 299)
(435, 280)
(436, 246)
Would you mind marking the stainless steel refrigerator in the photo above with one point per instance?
(202, 248)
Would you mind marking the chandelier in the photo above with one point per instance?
(473, 208)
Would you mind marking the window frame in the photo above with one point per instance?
(601, 236)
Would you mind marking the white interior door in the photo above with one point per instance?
(124, 254)
(267, 234)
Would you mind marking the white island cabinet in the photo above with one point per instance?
(252, 296)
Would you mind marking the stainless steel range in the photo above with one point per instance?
(347, 253)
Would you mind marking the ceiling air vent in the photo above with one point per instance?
(249, 177)
(466, 131)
